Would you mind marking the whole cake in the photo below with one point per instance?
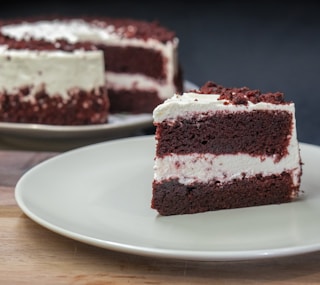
(222, 148)
(79, 70)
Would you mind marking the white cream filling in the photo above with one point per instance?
(206, 167)
(56, 71)
(118, 81)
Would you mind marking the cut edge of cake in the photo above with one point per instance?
(222, 148)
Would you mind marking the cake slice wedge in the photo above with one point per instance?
(222, 148)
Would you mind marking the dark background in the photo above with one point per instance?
(266, 45)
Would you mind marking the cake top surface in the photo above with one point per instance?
(211, 98)
(242, 95)
(47, 31)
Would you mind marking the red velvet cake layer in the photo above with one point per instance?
(255, 133)
(78, 109)
(134, 60)
(172, 198)
(137, 101)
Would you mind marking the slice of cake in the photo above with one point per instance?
(78, 70)
(222, 148)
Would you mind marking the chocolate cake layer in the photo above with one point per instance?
(172, 198)
(254, 133)
(78, 109)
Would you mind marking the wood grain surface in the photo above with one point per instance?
(31, 254)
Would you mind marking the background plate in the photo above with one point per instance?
(101, 194)
(62, 138)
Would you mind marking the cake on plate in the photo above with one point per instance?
(222, 148)
(73, 71)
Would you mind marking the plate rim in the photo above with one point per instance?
(197, 255)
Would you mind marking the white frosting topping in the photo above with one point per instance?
(205, 167)
(56, 71)
(73, 31)
(189, 103)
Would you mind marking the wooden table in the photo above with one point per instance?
(31, 254)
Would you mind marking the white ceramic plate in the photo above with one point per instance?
(61, 138)
(101, 194)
